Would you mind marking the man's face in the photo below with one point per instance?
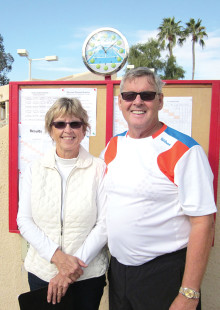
(141, 116)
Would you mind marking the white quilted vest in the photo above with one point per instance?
(79, 215)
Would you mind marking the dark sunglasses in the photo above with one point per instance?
(145, 95)
(62, 125)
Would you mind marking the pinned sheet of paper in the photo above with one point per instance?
(176, 113)
(33, 140)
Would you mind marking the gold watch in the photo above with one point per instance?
(189, 293)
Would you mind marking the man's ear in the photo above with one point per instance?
(119, 101)
(160, 101)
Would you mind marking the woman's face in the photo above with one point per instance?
(67, 139)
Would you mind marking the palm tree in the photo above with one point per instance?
(170, 31)
(197, 32)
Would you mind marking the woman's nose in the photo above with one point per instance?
(68, 128)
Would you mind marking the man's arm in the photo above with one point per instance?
(198, 249)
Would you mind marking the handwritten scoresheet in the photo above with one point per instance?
(176, 113)
(34, 103)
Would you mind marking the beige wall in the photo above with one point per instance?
(211, 281)
(13, 278)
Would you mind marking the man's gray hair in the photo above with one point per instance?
(143, 71)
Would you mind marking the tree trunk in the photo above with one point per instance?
(171, 48)
(193, 59)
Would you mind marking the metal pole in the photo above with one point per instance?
(30, 60)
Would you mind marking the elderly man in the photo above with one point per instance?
(160, 205)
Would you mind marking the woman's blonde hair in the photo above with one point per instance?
(66, 107)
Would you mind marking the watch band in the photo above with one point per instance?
(189, 293)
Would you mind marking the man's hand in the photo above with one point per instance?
(68, 266)
(183, 303)
(198, 249)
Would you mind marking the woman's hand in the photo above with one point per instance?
(70, 269)
(68, 266)
(57, 288)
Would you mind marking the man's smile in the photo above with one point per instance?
(138, 111)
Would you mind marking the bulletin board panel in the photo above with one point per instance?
(201, 108)
(205, 116)
(205, 121)
(96, 143)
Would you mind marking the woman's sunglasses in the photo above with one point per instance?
(145, 95)
(62, 125)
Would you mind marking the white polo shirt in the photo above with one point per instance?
(153, 185)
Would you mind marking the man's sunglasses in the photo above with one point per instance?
(145, 95)
(62, 125)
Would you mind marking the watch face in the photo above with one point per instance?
(189, 293)
(105, 51)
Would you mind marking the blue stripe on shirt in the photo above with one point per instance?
(187, 140)
(121, 134)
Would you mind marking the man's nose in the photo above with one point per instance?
(138, 100)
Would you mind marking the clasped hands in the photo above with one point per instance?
(70, 269)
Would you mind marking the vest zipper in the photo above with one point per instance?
(61, 219)
(63, 207)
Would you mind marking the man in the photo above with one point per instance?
(160, 206)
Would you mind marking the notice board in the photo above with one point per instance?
(204, 118)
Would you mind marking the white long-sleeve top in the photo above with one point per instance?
(37, 238)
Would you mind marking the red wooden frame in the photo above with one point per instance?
(214, 139)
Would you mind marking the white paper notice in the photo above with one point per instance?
(33, 143)
(34, 103)
(119, 123)
(88, 98)
(177, 113)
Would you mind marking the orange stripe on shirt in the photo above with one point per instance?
(157, 133)
(111, 151)
(168, 159)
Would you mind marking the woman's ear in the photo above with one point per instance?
(51, 133)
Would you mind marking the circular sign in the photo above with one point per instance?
(105, 51)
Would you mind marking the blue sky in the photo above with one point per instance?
(54, 27)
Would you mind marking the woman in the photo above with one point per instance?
(62, 212)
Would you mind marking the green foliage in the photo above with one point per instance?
(147, 55)
(196, 30)
(172, 70)
(197, 33)
(170, 31)
(6, 61)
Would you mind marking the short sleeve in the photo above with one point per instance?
(194, 179)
